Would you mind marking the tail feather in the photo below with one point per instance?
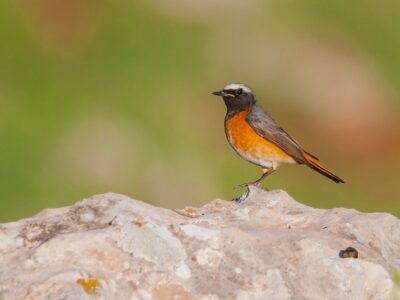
(314, 164)
(312, 155)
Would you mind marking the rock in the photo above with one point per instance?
(267, 247)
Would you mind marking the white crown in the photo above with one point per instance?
(235, 86)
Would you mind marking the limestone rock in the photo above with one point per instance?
(267, 247)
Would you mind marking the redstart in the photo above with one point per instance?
(257, 138)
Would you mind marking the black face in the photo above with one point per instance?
(237, 99)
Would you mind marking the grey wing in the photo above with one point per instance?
(265, 126)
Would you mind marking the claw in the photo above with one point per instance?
(247, 184)
(257, 183)
(241, 185)
(242, 197)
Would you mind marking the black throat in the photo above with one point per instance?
(234, 106)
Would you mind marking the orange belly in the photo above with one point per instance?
(249, 145)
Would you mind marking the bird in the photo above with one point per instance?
(256, 136)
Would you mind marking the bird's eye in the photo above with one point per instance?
(239, 91)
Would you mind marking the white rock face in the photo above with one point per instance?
(267, 247)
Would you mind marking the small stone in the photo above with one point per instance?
(349, 252)
(191, 212)
(89, 285)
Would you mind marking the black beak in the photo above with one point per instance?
(220, 94)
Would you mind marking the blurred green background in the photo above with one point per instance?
(104, 95)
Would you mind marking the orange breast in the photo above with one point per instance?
(248, 144)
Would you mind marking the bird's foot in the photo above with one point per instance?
(247, 184)
(242, 197)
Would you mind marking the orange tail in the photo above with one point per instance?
(314, 164)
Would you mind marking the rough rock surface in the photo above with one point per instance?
(267, 247)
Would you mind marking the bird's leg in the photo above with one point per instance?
(242, 197)
(266, 172)
(257, 183)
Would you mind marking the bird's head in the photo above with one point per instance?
(237, 96)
